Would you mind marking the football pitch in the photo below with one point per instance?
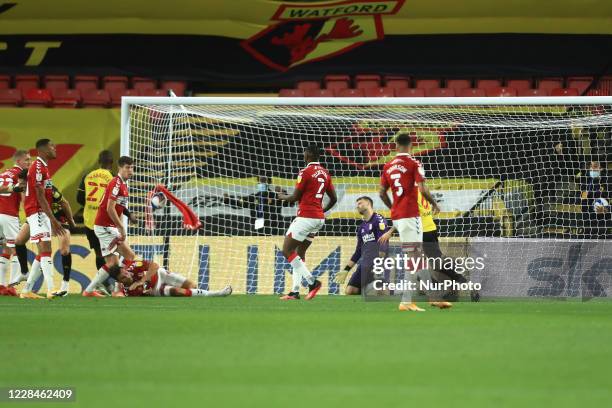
(256, 351)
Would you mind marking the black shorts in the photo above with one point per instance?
(431, 246)
(94, 242)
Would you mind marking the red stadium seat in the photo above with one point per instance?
(488, 83)
(427, 83)
(114, 82)
(579, 83)
(96, 98)
(519, 84)
(501, 91)
(471, 92)
(367, 84)
(37, 98)
(116, 94)
(379, 92)
(25, 82)
(388, 78)
(5, 82)
(532, 92)
(350, 93)
(178, 87)
(550, 83)
(336, 77)
(66, 98)
(140, 83)
(397, 83)
(56, 82)
(439, 92)
(292, 93)
(564, 92)
(10, 97)
(157, 92)
(319, 93)
(597, 92)
(307, 85)
(336, 86)
(364, 81)
(367, 77)
(85, 82)
(458, 84)
(410, 93)
(605, 85)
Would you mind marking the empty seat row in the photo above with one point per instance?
(338, 82)
(431, 92)
(70, 98)
(86, 82)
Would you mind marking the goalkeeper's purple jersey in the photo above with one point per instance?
(370, 231)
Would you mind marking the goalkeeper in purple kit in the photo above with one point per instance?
(371, 229)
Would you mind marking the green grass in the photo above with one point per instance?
(333, 351)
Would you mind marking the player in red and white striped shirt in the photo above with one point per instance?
(43, 224)
(405, 176)
(12, 185)
(312, 183)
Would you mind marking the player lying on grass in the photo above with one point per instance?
(144, 278)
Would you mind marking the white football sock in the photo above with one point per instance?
(208, 293)
(409, 277)
(47, 270)
(35, 273)
(100, 277)
(15, 269)
(65, 285)
(3, 267)
(300, 269)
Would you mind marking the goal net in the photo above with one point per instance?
(520, 181)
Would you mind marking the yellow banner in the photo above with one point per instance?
(245, 18)
(80, 134)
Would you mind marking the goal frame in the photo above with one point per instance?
(127, 101)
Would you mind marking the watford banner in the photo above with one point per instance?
(260, 41)
(79, 134)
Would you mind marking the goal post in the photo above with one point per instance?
(509, 173)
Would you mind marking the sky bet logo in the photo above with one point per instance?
(299, 34)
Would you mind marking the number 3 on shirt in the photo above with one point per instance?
(396, 177)
(321, 187)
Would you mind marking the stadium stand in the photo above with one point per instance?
(56, 90)
(401, 86)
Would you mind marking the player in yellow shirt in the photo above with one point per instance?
(431, 246)
(89, 196)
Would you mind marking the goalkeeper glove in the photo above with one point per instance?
(341, 276)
